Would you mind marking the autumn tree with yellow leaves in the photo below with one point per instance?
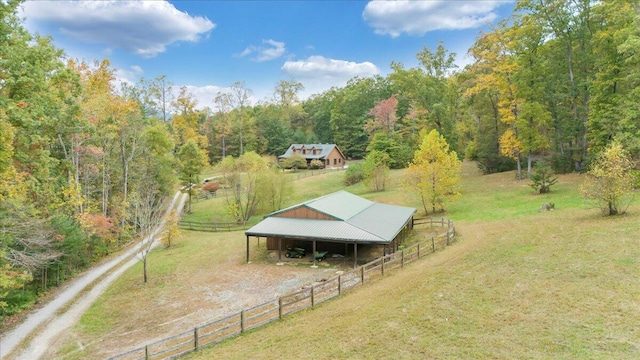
(434, 173)
(610, 180)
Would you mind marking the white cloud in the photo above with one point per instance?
(204, 95)
(128, 76)
(269, 50)
(318, 73)
(419, 17)
(144, 28)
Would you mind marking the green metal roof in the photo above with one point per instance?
(356, 220)
(340, 205)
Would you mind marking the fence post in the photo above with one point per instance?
(402, 258)
(383, 264)
(279, 308)
(447, 237)
(195, 338)
(242, 321)
(362, 274)
(433, 244)
(146, 352)
(339, 284)
(418, 250)
(313, 300)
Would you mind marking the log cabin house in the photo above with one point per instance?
(329, 154)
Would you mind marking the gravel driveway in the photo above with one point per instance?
(42, 326)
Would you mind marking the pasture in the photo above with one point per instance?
(517, 283)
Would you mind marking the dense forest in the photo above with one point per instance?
(79, 157)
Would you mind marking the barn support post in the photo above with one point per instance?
(355, 255)
(247, 249)
(313, 254)
(279, 250)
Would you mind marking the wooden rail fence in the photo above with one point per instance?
(209, 226)
(232, 325)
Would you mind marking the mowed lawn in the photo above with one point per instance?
(517, 283)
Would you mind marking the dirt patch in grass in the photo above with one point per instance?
(196, 282)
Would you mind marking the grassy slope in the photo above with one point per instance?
(517, 284)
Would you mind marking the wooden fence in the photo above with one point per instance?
(209, 226)
(301, 174)
(232, 325)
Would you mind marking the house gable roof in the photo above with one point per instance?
(356, 220)
(325, 149)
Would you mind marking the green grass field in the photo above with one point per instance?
(517, 283)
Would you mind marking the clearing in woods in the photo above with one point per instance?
(517, 283)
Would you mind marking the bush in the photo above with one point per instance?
(316, 164)
(492, 164)
(354, 174)
(542, 177)
(295, 162)
(471, 152)
(211, 187)
(18, 300)
(636, 179)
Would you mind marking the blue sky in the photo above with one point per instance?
(209, 45)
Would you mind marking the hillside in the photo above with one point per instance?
(521, 284)
(517, 283)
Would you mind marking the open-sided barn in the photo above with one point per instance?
(337, 221)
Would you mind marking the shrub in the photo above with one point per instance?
(636, 177)
(471, 152)
(295, 162)
(354, 174)
(542, 177)
(211, 187)
(610, 180)
(376, 170)
(316, 164)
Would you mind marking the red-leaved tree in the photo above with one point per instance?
(384, 117)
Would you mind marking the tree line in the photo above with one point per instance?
(81, 158)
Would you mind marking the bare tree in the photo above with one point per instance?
(222, 102)
(240, 96)
(33, 244)
(148, 215)
(164, 95)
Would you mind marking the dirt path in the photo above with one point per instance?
(41, 327)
